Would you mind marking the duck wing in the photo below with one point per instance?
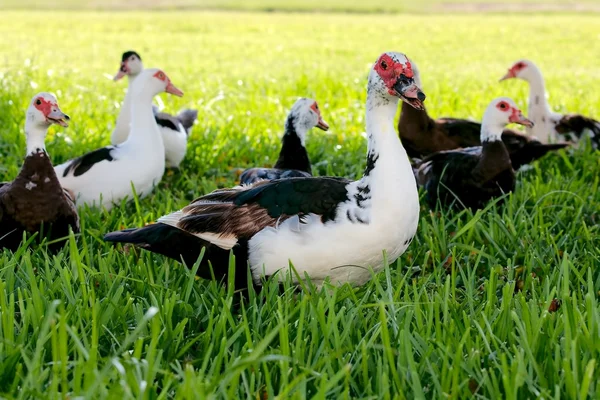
(253, 175)
(182, 122)
(82, 164)
(465, 132)
(227, 217)
(577, 124)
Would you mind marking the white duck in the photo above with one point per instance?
(175, 129)
(326, 227)
(548, 124)
(105, 176)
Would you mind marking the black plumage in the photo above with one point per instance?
(236, 214)
(128, 54)
(422, 136)
(82, 164)
(182, 121)
(577, 124)
(467, 178)
(293, 160)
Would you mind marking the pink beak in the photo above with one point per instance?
(509, 75)
(119, 75)
(173, 90)
(518, 118)
(321, 124)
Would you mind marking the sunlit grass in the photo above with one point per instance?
(470, 307)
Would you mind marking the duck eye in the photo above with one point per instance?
(38, 102)
(316, 106)
(503, 106)
(383, 65)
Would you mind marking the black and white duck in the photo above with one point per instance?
(549, 125)
(35, 202)
(175, 129)
(326, 227)
(105, 176)
(472, 176)
(293, 160)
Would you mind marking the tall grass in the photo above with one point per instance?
(501, 303)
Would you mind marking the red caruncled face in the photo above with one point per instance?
(389, 70)
(515, 113)
(45, 106)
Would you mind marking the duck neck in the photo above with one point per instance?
(490, 132)
(293, 154)
(123, 123)
(36, 136)
(386, 158)
(537, 91)
(144, 134)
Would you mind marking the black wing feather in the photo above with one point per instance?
(253, 175)
(82, 164)
(297, 196)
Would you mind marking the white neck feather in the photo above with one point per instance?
(538, 109)
(123, 124)
(490, 132)
(537, 91)
(144, 134)
(392, 170)
(36, 136)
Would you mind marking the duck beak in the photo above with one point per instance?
(518, 118)
(509, 75)
(122, 72)
(119, 75)
(173, 90)
(321, 124)
(409, 92)
(58, 117)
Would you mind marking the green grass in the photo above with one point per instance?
(465, 310)
(352, 6)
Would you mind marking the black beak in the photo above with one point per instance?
(409, 92)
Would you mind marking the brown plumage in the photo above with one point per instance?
(35, 202)
(422, 136)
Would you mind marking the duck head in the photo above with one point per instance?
(131, 65)
(503, 111)
(43, 111)
(393, 75)
(155, 81)
(306, 115)
(522, 69)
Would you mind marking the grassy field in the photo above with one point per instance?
(352, 6)
(498, 304)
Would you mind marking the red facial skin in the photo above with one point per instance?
(161, 76)
(315, 108)
(321, 123)
(170, 87)
(45, 106)
(389, 71)
(514, 70)
(515, 113)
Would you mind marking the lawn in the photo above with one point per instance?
(502, 303)
(353, 6)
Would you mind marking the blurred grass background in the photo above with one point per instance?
(354, 6)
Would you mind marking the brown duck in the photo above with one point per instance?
(35, 202)
(470, 177)
(422, 135)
